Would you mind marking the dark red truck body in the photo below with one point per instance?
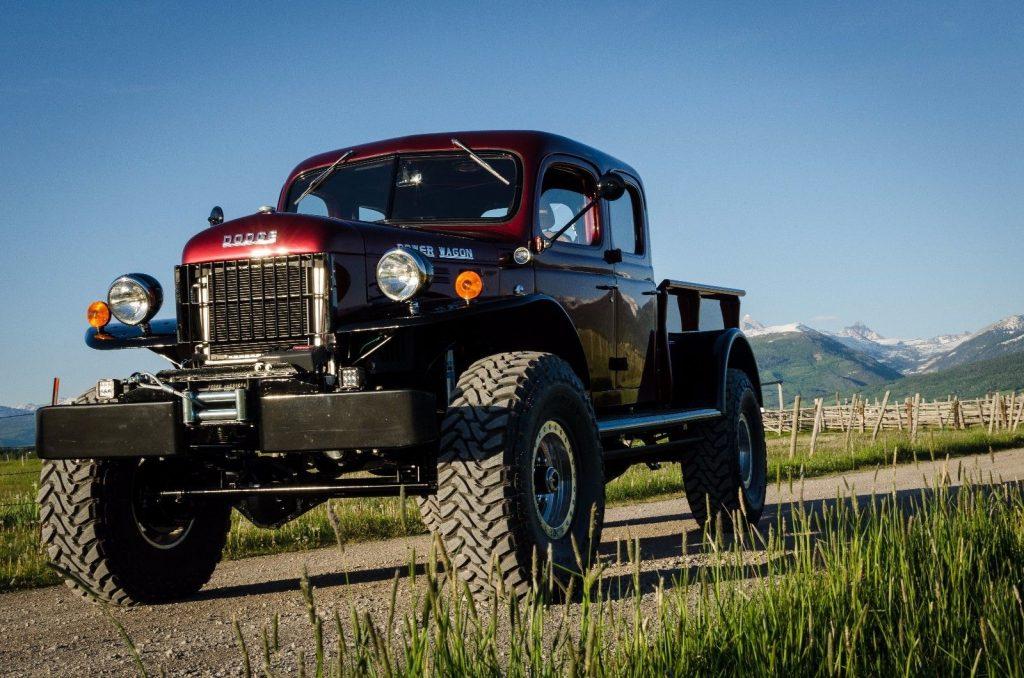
(490, 341)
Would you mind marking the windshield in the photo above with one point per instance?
(412, 188)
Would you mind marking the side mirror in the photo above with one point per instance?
(216, 216)
(611, 186)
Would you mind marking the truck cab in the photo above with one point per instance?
(468, 318)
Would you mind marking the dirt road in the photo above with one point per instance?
(53, 632)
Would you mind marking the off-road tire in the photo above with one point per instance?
(429, 512)
(711, 471)
(90, 535)
(489, 519)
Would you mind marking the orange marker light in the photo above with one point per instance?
(468, 285)
(98, 314)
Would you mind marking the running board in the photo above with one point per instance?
(645, 422)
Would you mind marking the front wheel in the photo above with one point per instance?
(727, 472)
(113, 538)
(520, 476)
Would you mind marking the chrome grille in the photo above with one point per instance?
(251, 301)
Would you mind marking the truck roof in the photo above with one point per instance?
(531, 146)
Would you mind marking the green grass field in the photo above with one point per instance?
(22, 565)
(929, 585)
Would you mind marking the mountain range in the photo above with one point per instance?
(17, 425)
(857, 359)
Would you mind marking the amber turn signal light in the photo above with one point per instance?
(98, 314)
(468, 285)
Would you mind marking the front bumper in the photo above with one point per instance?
(285, 423)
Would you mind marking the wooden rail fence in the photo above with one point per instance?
(995, 412)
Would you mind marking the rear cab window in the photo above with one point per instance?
(627, 221)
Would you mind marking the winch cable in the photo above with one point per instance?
(157, 385)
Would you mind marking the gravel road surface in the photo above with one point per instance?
(52, 631)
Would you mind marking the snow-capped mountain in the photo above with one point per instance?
(998, 339)
(915, 355)
(811, 362)
(862, 332)
(749, 325)
(753, 328)
(895, 353)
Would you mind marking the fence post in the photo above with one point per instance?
(992, 414)
(881, 416)
(796, 426)
(917, 417)
(782, 408)
(818, 405)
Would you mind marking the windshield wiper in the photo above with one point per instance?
(313, 185)
(480, 161)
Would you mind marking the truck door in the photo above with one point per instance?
(574, 270)
(636, 310)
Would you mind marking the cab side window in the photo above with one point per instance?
(565, 191)
(627, 222)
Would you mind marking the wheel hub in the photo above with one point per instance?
(162, 523)
(745, 452)
(551, 479)
(554, 479)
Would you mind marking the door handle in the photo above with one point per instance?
(607, 287)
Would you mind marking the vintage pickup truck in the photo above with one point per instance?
(469, 318)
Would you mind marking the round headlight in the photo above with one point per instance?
(135, 298)
(402, 274)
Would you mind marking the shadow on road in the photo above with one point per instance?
(320, 581)
(778, 518)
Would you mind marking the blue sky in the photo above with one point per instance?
(840, 161)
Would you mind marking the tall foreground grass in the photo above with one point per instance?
(917, 584)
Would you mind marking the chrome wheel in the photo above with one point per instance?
(745, 452)
(554, 479)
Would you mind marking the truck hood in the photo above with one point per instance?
(267, 235)
(274, 234)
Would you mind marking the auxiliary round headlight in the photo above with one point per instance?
(135, 298)
(402, 273)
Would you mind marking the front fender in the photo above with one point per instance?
(161, 334)
(531, 322)
(732, 350)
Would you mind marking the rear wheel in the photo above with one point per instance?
(520, 473)
(728, 470)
